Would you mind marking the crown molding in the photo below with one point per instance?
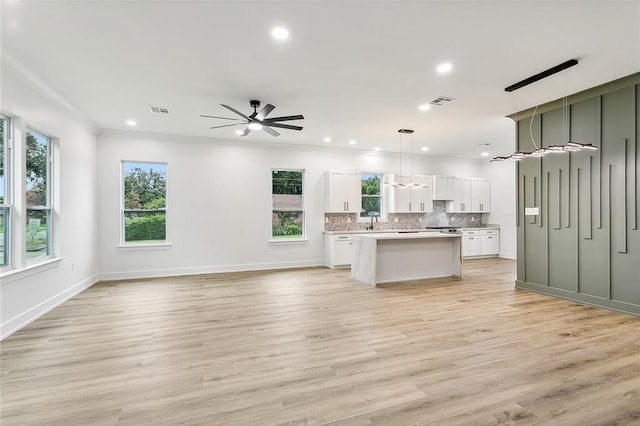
(10, 64)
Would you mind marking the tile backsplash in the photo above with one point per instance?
(439, 217)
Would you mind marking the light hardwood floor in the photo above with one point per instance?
(310, 347)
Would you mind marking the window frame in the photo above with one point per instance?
(48, 207)
(7, 203)
(143, 243)
(303, 237)
(383, 198)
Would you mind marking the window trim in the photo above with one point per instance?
(7, 202)
(144, 244)
(303, 239)
(383, 201)
(48, 207)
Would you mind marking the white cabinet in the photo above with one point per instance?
(480, 195)
(461, 202)
(489, 242)
(470, 195)
(400, 196)
(343, 192)
(337, 250)
(485, 242)
(415, 199)
(444, 187)
(470, 243)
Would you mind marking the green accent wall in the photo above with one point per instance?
(585, 243)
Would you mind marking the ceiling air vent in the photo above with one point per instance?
(441, 100)
(159, 110)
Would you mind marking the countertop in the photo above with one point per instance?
(408, 235)
(384, 231)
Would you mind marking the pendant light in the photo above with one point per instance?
(569, 145)
(410, 183)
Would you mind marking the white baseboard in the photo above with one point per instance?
(176, 272)
(22, 320)
(508, 256)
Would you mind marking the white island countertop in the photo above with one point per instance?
(401, 256)
(402, 235)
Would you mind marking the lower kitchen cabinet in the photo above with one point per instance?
(485, 242)
(490, 242)
(337, 250)
(470, 243)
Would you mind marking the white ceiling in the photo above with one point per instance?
(355, 69)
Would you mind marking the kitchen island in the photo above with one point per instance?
(390, 257)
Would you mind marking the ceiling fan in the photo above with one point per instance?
(258, 119)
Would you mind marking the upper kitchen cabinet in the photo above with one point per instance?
(480, 195)
(414, 199)
(470, 195)
(444, 187)
(461, 202)
(343, 192)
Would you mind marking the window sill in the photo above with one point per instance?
(31, 269)
(144, 247)
(289, 242)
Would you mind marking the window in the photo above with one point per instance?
(287, 199)
(371, 194)
(5, 206)
(38, 195)
(144, 207)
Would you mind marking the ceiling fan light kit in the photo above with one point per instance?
(258, 119)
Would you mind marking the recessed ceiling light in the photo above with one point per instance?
(280, 33)
(239, 132)
(444, 68)
(255, 126)
(424, 107)
(377, 148)
(327, 139)
(424, 148)
(352, 142)
(131, 122)
(485, 154)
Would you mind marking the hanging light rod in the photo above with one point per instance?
(544, 74)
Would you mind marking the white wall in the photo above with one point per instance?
(219, 201)
(27, 294)
(503, 204)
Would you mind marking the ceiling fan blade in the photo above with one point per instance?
(225, 125)
(221, 118)
(236, 111)
(265, 111)
(246, 132)
(285, 118)
(283, 126)
(270, 131)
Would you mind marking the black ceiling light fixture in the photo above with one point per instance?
(544, 74)
(569, 146)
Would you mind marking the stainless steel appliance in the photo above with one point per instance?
(445, 229)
